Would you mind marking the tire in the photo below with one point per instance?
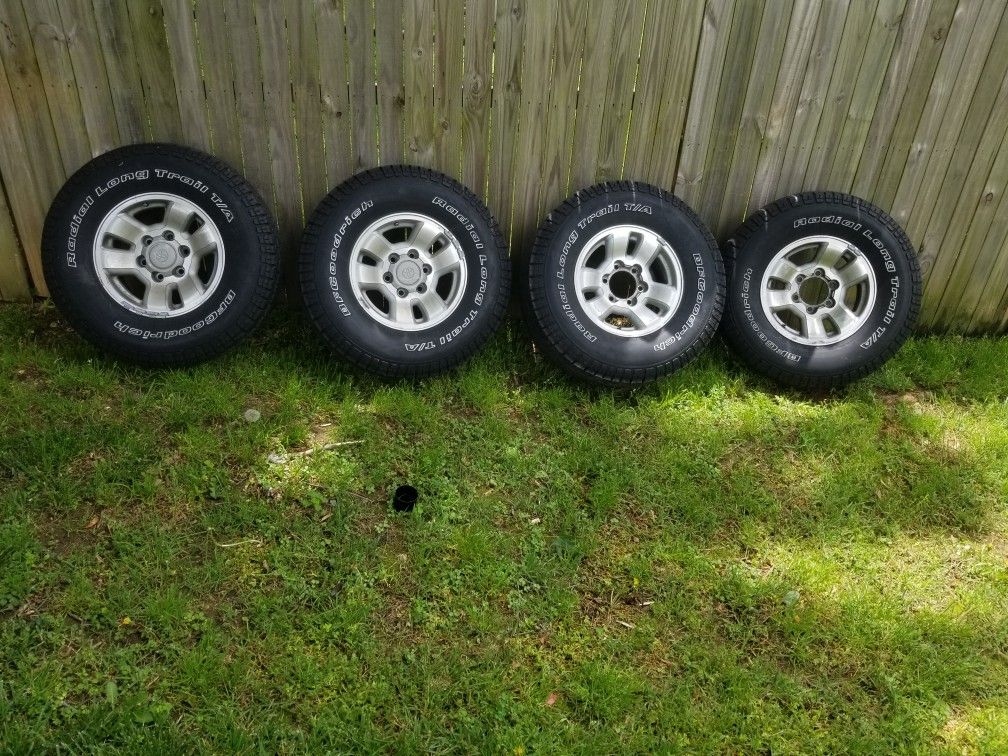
(683, 286)
(160, 255)
(823, 288)
(404, 271)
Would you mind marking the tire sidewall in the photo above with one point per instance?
(72, 226)
(698, 257)
(342, 226)
(882, 330)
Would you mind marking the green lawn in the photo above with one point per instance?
(710, 564)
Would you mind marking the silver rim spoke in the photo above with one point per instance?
(190, 289)
(425, 234)
(628, 293)
(166, 272)
(828, 293)
(396, 278)
(370, 276)
(116, 263)
(125, 227)
(447, 260)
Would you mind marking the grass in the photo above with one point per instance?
(710, 564)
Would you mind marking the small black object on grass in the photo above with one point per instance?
(404, 499)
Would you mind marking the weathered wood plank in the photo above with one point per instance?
(276, 88)
(213, 46)
(419, 83)
(509, 36)
(13, 275)
(599, 33)
(150, 44)
(78, 25)
(359, 18)
(304, 72)
(558, 126)
(29, 203)
(937, 134)
(536, 89)
(730, 101)
(49, 41)
(391, 97)
(861, 108)
(752, 128)
(180, 31)
(476, 89)
(624, 54)
(248, 87)
(333, 80)
(664, 78)
(879, 181)
(837, 97)
(700, 114)
(946, 285)
(116, 39)
(449, 31)
(798, 48)
(918, 17)
(799, 141)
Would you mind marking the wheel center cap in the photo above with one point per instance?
(408, 272)
(814, 291)
(162, 255)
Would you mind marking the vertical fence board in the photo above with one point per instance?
(536, 87)
(449, 32)
(624, 54)
(798, 48)
(710, 61)
(363, 97)
(948, 220)
(861, 110)
(304, 73)
(49, 41)
(837, 96)
(336, 111)
(150, 43)
(476, 90)
(730, 100)
(81, 34)
(391, 97)
(419, 82)
(801, 136)
(116, 38)
(509, 40)
(774, 28)
(180, 28)
(213, 47)
(664, 79)
(558, 126)
(31, 198)
(13, 277)
(917, 18)
(920, 186)
(599, 32)
(276, 90)
(249, 97)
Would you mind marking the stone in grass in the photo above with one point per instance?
(252, 416)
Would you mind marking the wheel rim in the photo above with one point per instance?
(818, 290)
(628, 280)
(407, 271)
(159, 255)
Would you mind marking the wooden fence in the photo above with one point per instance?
(730, 102)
